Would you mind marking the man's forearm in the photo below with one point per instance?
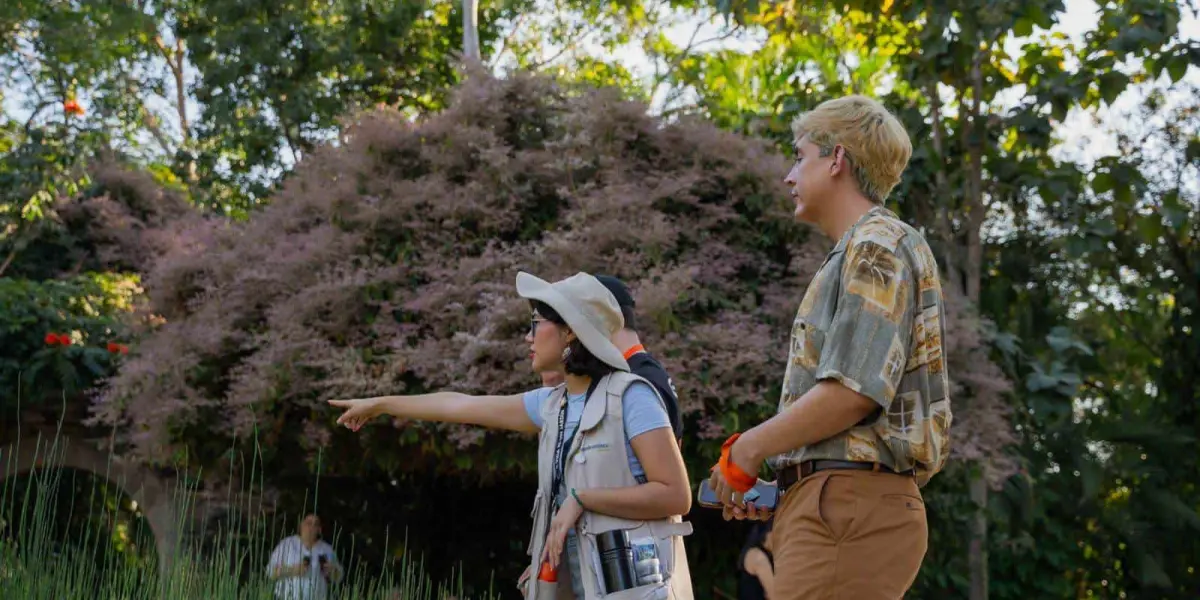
(826, 410)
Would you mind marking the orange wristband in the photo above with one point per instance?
(737, 479)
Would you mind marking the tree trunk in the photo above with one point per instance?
(471, 30)
(938, 210)
(977, 557)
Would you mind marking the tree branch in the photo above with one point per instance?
(174, 60)
(1118, 315)
(508, 39)
(661, 77)
(151, 123)
(8, 261)
(940, 219)
(570, 45)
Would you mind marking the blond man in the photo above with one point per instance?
(864, 413)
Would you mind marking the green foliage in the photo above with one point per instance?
(88, 310)
(277, 77)
(36, 169)
(1089, 272)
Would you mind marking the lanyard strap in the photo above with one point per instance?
(562, 445)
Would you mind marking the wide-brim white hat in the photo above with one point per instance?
(589, 309)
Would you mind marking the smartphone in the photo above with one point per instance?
(763, 495)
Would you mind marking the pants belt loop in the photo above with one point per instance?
(875, 467)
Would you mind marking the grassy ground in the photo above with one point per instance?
(102, 549)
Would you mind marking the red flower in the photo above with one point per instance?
(124, 349)
(51, 339)
(64, 340)
(72, 107)
(113, 347)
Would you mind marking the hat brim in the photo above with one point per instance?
(534, 288)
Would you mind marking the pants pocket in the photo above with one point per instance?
(837, 505)
(904, 502)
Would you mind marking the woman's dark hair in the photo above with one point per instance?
(581, 361)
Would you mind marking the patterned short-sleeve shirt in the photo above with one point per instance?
(873, 318)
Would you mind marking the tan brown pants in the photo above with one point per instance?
(856, 535)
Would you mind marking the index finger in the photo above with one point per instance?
(714, 478)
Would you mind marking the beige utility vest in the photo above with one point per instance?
(597, 458)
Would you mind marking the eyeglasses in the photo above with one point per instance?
(533, 323)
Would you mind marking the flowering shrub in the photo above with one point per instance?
(71, 275)
(59, 336)
(386, 266)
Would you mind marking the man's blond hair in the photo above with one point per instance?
(876, 143)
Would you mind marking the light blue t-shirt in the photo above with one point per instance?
(642, 412)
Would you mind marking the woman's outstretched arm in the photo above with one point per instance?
(495, 412)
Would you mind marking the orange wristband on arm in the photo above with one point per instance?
(737, 479)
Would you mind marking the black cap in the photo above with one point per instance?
(624, 298)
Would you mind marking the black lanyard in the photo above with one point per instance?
(560, 458)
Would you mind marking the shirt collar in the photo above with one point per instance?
(875, 210)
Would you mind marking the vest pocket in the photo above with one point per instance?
(533, 513)
(662, 532)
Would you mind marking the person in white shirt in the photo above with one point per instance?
(304, 565)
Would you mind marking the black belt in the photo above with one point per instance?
(790, 475)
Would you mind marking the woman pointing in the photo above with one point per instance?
(609, 469)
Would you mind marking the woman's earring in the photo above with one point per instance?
(566, 353)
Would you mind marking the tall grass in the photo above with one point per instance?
(37, 562)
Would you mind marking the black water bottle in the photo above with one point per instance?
(616, 561)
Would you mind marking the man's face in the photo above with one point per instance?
(310, 528)
(810, 180)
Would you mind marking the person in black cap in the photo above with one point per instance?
(641, 362)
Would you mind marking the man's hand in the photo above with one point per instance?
(747, 512)
(358, 412)
(725, 493)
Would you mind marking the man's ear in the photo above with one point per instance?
(839, 160)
